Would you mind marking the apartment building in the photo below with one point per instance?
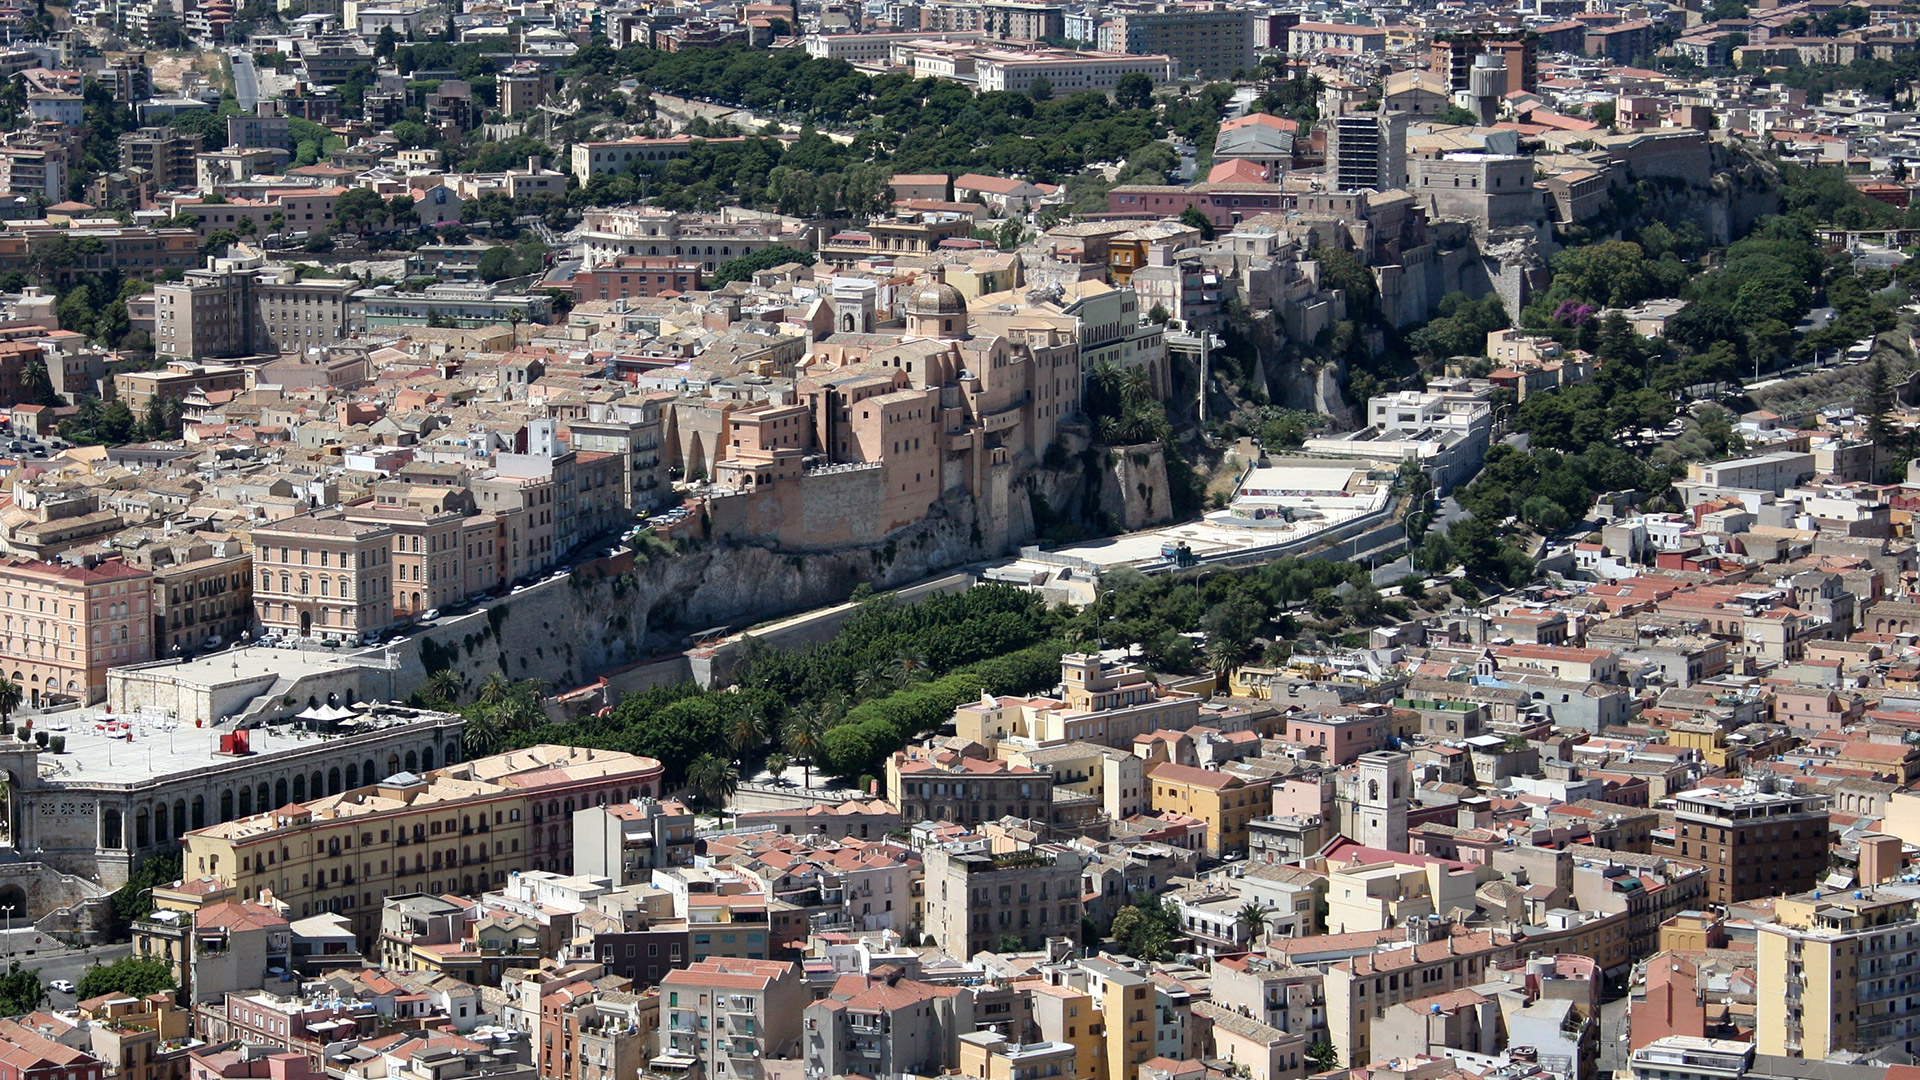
(241, 307)
(992, 1056)
(178, 379)
(165, 152)
(1308, 37)
(626, 842)
(890, 1025)
(131, 249)
(707, 239)
(272, 132)
(460, 828)
(64, 626)
(981, 901)
(33, 170)
(1753, 843)
(1102, 703)
(630, 431)
(1225, 801)
(966, 791)
(146, 1038)
(321, 574)
(634, 276)
(202, 593)
(430, 550)
(223, 947)
(589, 1032)
(1836, 971)
(1368, 151)
(726, 1017)
(1366, 986)
(1281, 995)
(1210, 43)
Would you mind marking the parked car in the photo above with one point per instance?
(430, 614)
(64, 986)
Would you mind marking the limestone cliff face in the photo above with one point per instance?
(1134, 487)
(620, 610)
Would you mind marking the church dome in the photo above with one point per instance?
(936, 298)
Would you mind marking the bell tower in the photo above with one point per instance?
(1385, 792)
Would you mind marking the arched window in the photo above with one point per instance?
(333, 780)
(199, 811)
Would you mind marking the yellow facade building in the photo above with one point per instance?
(1225, 801)
(462, 828)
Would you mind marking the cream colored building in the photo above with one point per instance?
(1377, 896)
(320, 574)
(460, 828)
(1104, 704)
(1836, 970)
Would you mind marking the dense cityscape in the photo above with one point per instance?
(999, 539)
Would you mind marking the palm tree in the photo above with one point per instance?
(805, 737)
(777, 764)
(712, 779)
(909, 667)
(481, 735)
(1252, 921)
(874, 679)
(519, 709)
(745, 734)
(11, 695)
(495, 689)
(442, 687)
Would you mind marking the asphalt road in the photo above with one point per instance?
(1389, 573)
(246, 82)
(69, 964)
(1613, 1035)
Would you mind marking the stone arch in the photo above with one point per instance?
(373, 777)
(199, 811)
(353, 775)
(281, 793)
(226, 805)
(393, 764)
(426, 759)
(260, 797)
(143, 828)
(316, 786)
(300, 788)
(111, 832)
(413, 761)
(13, 902)
(179, 816)
(333, 780)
